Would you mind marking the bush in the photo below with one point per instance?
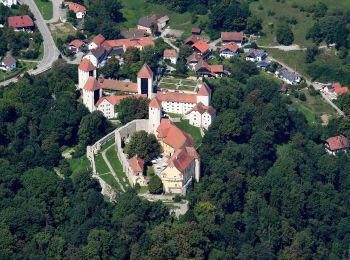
(150, 171)
(284, 34)
(155, 185)
(302, 96)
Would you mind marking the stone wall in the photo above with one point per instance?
(123, 133)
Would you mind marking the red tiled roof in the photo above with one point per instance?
(76, 43)
(117, 85)
(98, 39)
(86, 65)
(9, 60)
(92, 84)
(191, 39)
(181, 159)
(337, 143)
(232, 36)
(20, 21)
(115, 99)
(194, 57)
(196, 30)
(145, 72)
(169, 53)
(76, 8)
(136, 164)
(201, 108)
(201, 46)
(204, 90)
(139, 43)
(339, 89)
(216, 68)
(176, 97)
(155, 103)
(231, 46)
(172, 135)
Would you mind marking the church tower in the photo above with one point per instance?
(91, 93)
(203, 94)
(85, 70)
(154, 115)
(145, 81)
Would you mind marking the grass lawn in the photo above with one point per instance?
(143, 189)
(109, 178)
(133, 9)
(193, 131)
(173, 115)
(78, 164)
(165, 80)
(45, 8)
(290, 8)
(101, 166)
(61, 30)
(167, 85)
(117, 167)
(106, 145)
(188, 88)
(189, 82)
(313, 108)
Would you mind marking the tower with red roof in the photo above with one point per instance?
(154, 114)
(86, 69)
(92, 92)
(145, 81)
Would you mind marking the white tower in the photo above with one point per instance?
(91, 93)
(145, 81)
(154, 115)
(85, 70)
(203, 94)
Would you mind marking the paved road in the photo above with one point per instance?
(50, 50)
(318, 86)
(56, 11)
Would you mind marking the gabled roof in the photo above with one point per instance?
(164, 19)
(115, 99)
(173, 136)
(127, 43)
(134, 33)
(201, 46)
(146, 21)
(339, 89)
(204, 90)
(98, 39)
(118, 85)
(76, 8)
(9, 61)
(191, 40)
(155, 103)
(170, 53)
(337, 143)
(231, 46)
(92, 84)
(194, 57)
(176, 97)
(232, 36)
(98, 52)
(145, 72)
(20, 21)
(201, 108)
(253, 53)
(76, 43)
(86, 65)
(136, 164)
(181, 159)
(216, 68)
(196, 30)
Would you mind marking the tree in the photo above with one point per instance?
(254, 25)
(132, 108)
(311, 54)
(284, 34)
(155, 185)
(144, 145)
(111, 68)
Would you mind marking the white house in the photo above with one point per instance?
(79, 10)
(287, 76)
(170, 54)
(229, 50)
(201, 116)
(96, 42)
(255, 55)
(8, 63)
(8, 3)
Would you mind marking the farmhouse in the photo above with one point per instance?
(191, 40)
(149, 24)
(201, 47)
(134, 33)
(8, 63)
(76, 45)
(229, 50)
(78, 9)
(337, 144)
(21, 23)
(170, 54)
(236, 37)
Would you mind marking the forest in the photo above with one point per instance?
(268, 188)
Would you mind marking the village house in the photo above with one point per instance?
(335, 90)
(170, 54)
(136, 170)
(201, 116)
(152, 24)
(229, 37)
(97, 56)
(204, 69)
(262, 65)
(8, 3)
(192, 60)
(190, 40)
(96, 42)
(8, 63)
(21, 23)
(202, 48)
(229, 50)
(76, 46)
(337, 144)
(287, 76)
(255, 55)
(196, 31)
(134, 33)
(78, 9)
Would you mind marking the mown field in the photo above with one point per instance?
(271, 11)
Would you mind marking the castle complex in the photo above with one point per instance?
(183, 162)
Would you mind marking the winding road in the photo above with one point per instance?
(50, 50)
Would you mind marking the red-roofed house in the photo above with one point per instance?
(337, 144)
(201, 116)
(136, 169)
(78, 9)
(190, 40)
(75, 45)
(196, 31)
(204, 69)
(229, 50)
(21, 23)
(236, 37)
(170, 54)
(335, 90)
(201, 47)
(96, 42)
